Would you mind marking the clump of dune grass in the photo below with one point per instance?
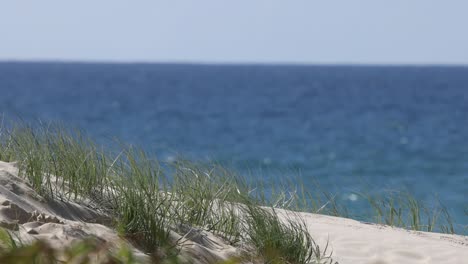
(281, 240)
(401, 209)
(139, 203)
(206, 196)
(56, 161)
(5, 142)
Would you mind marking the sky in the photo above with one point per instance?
(240, 31)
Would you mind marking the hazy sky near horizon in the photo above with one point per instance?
(241, 31)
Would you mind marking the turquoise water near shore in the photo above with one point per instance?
(345, 126)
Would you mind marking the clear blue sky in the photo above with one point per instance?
(236, 31)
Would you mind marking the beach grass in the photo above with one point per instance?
(145, 203)
(401, 209)
(147, 199)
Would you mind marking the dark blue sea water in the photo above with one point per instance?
(345, 126)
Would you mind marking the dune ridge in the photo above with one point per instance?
(60, 223)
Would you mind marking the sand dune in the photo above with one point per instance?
(62, 222)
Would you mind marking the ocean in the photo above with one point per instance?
(346, 127)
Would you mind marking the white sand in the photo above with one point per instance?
(61, 223)
(356, 242)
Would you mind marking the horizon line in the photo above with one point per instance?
(231, 63)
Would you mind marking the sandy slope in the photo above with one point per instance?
(356, 242)
(61, 223)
